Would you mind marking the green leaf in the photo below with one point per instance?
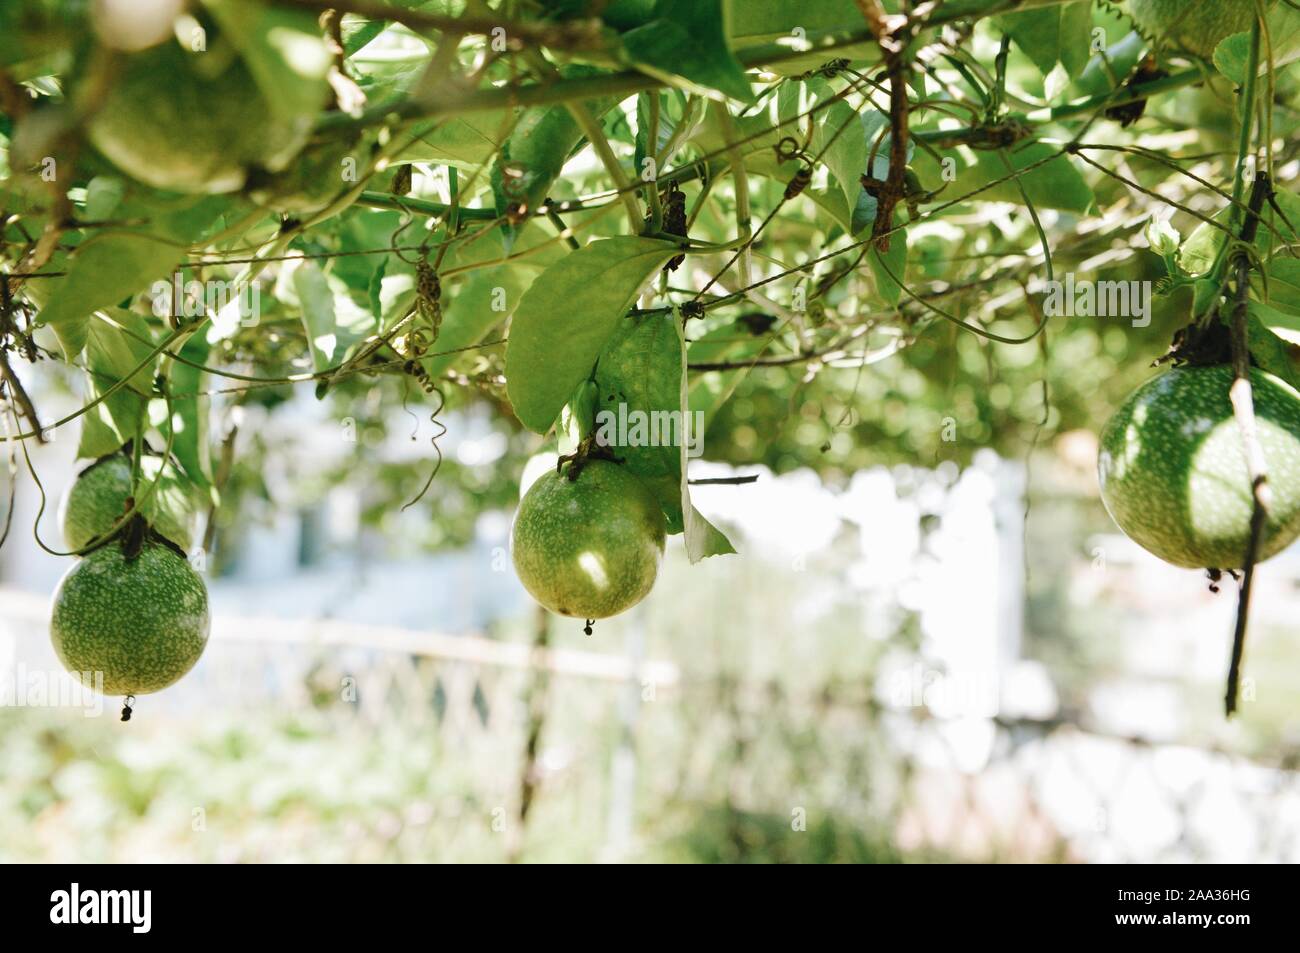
(1269, 351)
(760, 21)
(566, 318)
(1274, 318)
(1232, 55)
(1284, 284)
(754, 22)
(687, 44)
(578, 419)
(1037, 33)
(1054, 184)
(111, 356)
(854, 145)
(638, 377)
(103, 195)
(1202, 246)
(674, 110)
(332, 322)
(892, 261)
(465, 141)
(844, 138)
(1076, 36)
(190, 413)
(284, 51)
(703, 539)
(532, 158)
(104, 271)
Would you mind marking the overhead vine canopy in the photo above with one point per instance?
(845, 212)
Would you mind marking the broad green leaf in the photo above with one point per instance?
(1053, 34)
(190, 413)
(758, 21)
(104, 271)
(1076, 36)
(532, 158)
(462, 141)
(638, 380)
(855, 143)
(703, 539)
(687, 43)
(566, 318)
(1037, 33)
(890, 265)
(1284, 284)
(103, 194)
(754, 22)
(1273, 317)
(674, 111)
(1054, 184)
(1232, 55)
(844, 139)
(100, 435)
(1269, 351)
(332, 323)
(357, 33)
(284, 51)
(1202, 245)
(112, 354)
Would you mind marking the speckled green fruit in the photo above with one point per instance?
(168, 123)
(1197, 26)
(97, 499)
(589, 547)
(1173, 472)
(142, 623)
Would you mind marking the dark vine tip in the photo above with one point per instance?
(587, 628)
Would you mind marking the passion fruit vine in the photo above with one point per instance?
(140, 623)
(588, 547)
(1173, 470)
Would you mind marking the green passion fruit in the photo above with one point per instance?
(1173, 474)
(191, 122)
(589, 547)
(140, 623)
(97, 499)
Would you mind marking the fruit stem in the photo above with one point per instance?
(1243, 409)
(137, 454)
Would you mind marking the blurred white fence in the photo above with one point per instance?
(540, 727)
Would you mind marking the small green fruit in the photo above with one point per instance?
(170, 123)
(1173, 471)
(97, 499)
(141, 623)
(1197, 26)
(590, 547)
